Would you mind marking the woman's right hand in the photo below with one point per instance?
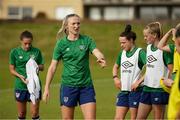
(117, 83)
(23, 79)
(46, 95)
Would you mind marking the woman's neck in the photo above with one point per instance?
(73, 37)
(156, 43)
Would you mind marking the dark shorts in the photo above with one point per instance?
(70, 96)
(157, 98)
(23, 95)
(129, 99)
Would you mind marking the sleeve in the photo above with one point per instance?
(118, 60)
(57, 54)
(92, 45)
(142, 58)
(40, 59)
(12, 58)
(168, 58)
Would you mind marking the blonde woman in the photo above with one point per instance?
(76, 86)
(158, 63)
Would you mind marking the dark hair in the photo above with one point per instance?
(26, 34)
(128, 33)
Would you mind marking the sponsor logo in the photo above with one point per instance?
(151, 59)
(150, 66)
(126, 71)
(66, 99)
(127, 64)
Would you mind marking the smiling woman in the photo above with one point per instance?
(76, 85)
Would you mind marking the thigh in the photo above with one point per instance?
(133, 112)
(87, 95)
(67, 112)
(159, 111)
(89, 110)
(121, 112)
(143, 110)
(122, 99)
(35, 109)
(69, 96)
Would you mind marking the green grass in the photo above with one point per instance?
(106, 37)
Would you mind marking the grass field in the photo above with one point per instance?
(106, 37)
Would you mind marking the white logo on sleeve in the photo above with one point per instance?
(66, 99)
(67, 49)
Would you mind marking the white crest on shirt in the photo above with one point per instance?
(82, 47)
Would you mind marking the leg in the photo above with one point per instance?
(143, 111)
(35, 110)
(21, 106)
(67, 112)
(133, 112)
(89, 111)
(159, 111)
(121, 112)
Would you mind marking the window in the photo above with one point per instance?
(19, 13)
(14, 12)
(27, 13)
(61, 12)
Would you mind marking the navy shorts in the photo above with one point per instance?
(157, 98)
(24, 95)
(70, 96)
(129, 99)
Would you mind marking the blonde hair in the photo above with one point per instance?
(63, 29)
(155, 28)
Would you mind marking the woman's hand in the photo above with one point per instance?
(46, 95)
(117, 83)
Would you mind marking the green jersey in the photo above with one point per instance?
(19, 57)
(75, 57)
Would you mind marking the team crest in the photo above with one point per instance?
(20, 57)
(66, 99)
(82, 47)
(17, 95)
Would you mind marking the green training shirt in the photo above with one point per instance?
(75, 57)
(19, 57)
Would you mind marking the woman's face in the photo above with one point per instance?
(26, 43)
(150, 38)
(73, 25)
(125, 43)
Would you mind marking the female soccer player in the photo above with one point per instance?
(76, 86)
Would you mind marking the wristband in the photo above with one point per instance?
(115, 76)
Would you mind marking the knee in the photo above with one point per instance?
(34, 113)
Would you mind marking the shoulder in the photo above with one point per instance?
(14, 50)
(35, 49)
(86, 38)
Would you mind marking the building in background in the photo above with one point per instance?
(91, 9)
(131, 9)
(51, 9)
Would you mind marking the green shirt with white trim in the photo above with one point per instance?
(75, 57)
(19, 57)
